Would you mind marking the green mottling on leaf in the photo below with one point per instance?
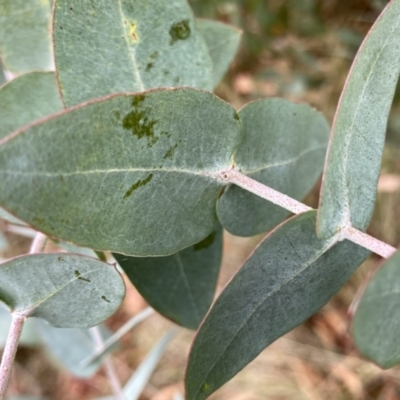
(205, 243)
(137, 185)
(139, 123)
(179, 31)
(149, 66)
(236, 116)
(170, 153)
(152, 60)
(117, 115)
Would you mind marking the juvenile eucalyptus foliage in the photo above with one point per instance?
(123, 148)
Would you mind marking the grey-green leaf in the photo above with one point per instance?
(2, 76)
(376, 323)
(134, 174)
(70, 346)
(128, 46)
(358, 134)
(3, 242)
(222, 41)
(26, 99)
(181, 286)
(283, 146)
(25, 44)
(290, 276)
(67, 290)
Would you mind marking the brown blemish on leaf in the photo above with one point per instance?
(133, 32)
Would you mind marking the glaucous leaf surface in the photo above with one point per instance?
(376, 323)
(128, 46)
(25, 44)
(289, 277)
(181, 286)
(26, 99)
(134, 174)
(10, 218)
(222, 41)
(67, 290)
(282, 146)
(3, 242)
(69, 346)
(354, 157)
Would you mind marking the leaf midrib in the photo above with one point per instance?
(269, 294)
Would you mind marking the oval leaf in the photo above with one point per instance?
(26, 99)
(283, 146)
(134, 174)
(67, 290)
(222, 41)
(376, 324)
(24, 35)
(127, 47)
(181, 286)
(355, 151)
(290, 276)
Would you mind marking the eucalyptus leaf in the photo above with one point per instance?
(25, 44)
(376, 323)
(127, 46)
(67, 290)
(10, 218)
(26, 99)
(134, 174)
(181, 286)
(138, 381)
(2, 76)
(222, 41)
(289, 277)
(355, 151)
(70, 346)
(282, 146)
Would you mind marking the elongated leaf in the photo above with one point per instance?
(283, 146)
(375, 326)
(290, 276)
(29, 336)
(26, 99)
(222, 41)
(128, 46)
(67, 290)
(25, 35)
(141, 376)
(70, 346)
(10, 218)
(181, 286)
(134, 174)
(355, 150)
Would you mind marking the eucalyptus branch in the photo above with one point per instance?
(9, 352)
(108, 365)
(38, 243)
(296, 207)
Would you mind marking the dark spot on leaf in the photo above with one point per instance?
(138, 184)
(105, 299)
(132, 32)
(205, 243)
(170, 153)
(149, 66)
(152, 60)
(179, 31)
(61, 27)
(79, 276)
(38, 220)
(139, 122)
(71, 9)
(236, 115)
(60, 258)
